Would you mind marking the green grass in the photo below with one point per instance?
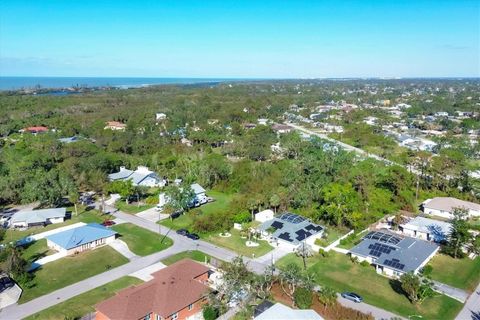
(338, 272)
(140, 241)
(332, 235)
(194, 255)
(83, 216)
(461, 273)
(36, 250)
(237, 244)
(68, 270)
(83, 304)
(185, 221)
(132, 208)
(356, 239)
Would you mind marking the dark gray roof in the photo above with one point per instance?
(404, 254)
(291, 228)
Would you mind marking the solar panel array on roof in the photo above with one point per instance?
(394, 263)
(311, 227)
(277, 225)
(302, 235)
(378, 248)
(383, 237)
(292, 218)
(285, 236)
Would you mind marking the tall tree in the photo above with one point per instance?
(459, 235)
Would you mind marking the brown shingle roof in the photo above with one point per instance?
(171, 290)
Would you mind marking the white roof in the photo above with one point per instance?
(281, 312)
(37, 216)
(438, 229)
(197, 188)
(448, 204)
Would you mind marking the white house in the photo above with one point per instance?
(264, 215)
(444, 206)
(160, 116)
(426, 229)
(200, 196)
(140, 177)
(30, 218)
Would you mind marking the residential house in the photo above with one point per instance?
(426, 229)
(262, 121)
(282, 128)
(290, 230)
(392, 254)
(42, 217)
(140, 177)
(115, 125)
(441, 114)
(79, 239)
(280, 311)
(200, 193)
(160, 116)
(199, 198)
(444, 206)
(176, 292)
(34, 130)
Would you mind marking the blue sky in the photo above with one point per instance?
(266, 39)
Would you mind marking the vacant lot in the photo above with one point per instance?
(132, 208)
(460, 273)
(83, 304)
(140, 241)
(194, 255)
(338, 272)
(237, 244)
(68, 270)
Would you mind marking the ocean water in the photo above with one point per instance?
(14, 83)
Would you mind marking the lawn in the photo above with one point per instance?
(194, 255)
(68, 270)
(185, 221)
(338, 272)
(352, 240)
(83, 216)
(461, 273)
(132, 208)
(333, 234)
(237, 244)
(36, 250)
(140, 241)
(83, 304)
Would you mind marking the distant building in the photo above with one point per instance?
(264, 215)
(42, 217)
(140, 177)
(394, 255)
(290, 230)
(426, 229)
(69, 139)
(444, 206)
(282, 128)
(34, 130)
(262, 121)
(441, 114)
(83, 238)
(115, 125)
(280, 311)
(160, 116)
(177, 292)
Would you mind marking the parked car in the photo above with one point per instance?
(183, 232)
(193, 236)
(108, 223)
(352, 297)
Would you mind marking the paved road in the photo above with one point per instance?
(471, 309)
(349, 147)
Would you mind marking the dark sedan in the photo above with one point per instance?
(183, 232)
(193, 236)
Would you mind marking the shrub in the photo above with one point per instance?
(153, 200)
(242, 217)
(323, 253)
(427, 270)
(354, 259)
(364, 263)
(210, 313)
(348, 239)
(303, 298)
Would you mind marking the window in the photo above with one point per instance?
(147, 317)
(190, 307)
(175, 316)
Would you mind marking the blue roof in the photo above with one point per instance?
(73, 238)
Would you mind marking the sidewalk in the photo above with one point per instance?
(452, 292)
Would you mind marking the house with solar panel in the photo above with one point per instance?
(392, 254)
(140, 177)
(79, 239)
(290, 230)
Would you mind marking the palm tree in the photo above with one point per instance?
(275, 202)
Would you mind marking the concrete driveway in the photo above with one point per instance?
(152, 215)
